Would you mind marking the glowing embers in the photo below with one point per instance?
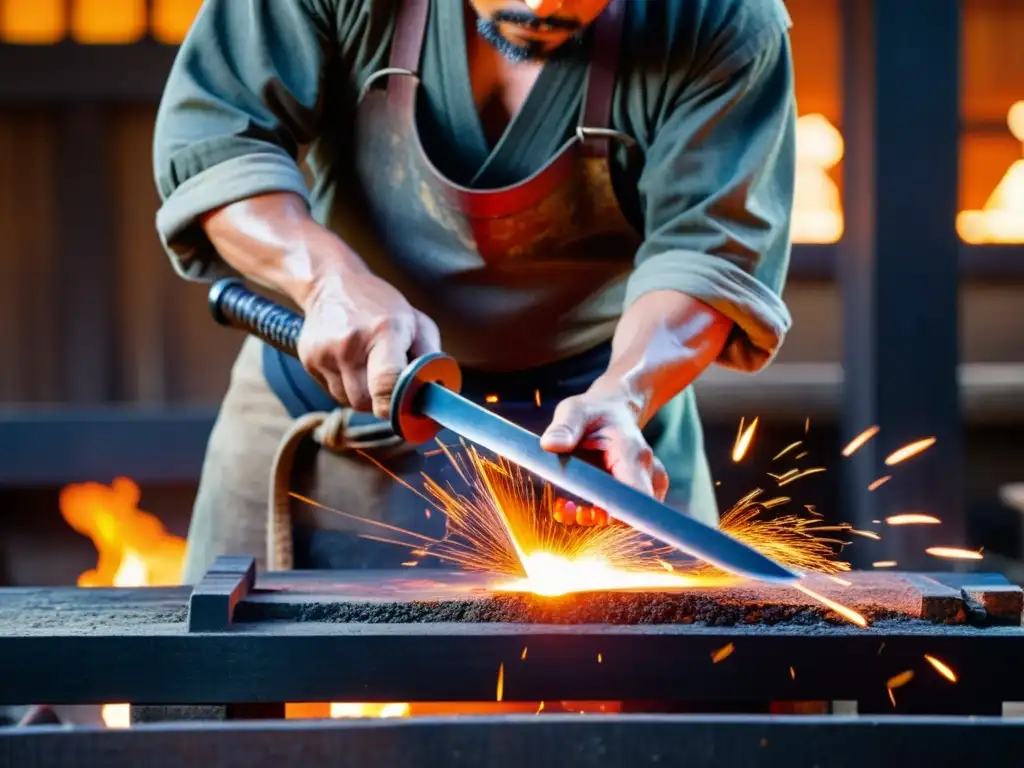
(552, 575)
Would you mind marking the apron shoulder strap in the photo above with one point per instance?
(410, 26)
(604, 66)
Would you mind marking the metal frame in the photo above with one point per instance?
(899, 270)
(53, 446)
(545, 741)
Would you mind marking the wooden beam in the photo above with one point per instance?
(86, 294)
(69, 73)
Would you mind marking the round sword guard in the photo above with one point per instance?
(434, 368)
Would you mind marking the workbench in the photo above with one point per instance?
(237, 644)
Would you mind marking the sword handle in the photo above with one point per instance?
(234, 305)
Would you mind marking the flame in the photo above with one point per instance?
(1001, 219)
(133, 548)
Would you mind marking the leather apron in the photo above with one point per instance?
(561, 215)
(567, 210)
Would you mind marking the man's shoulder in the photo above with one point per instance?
(697, 29)
(713, 18)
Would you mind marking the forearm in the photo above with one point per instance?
(272, 240)
(662, 343)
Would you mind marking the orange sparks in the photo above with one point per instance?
(954, 553)
(540, 708)
(787, 478)
(909, 451)
(854, 445)
(847, 613)
(743, 440)
(411, 563)
(840, 582)
(789, 539)
(786, 450)
(807, 425)
(884, 564)
(866, 534)
(536, 397)
(792, 674)
(599, 658)
(525, 649)
(722, 653)
(912, 519)
(898, 681)
(501, 682)
(942, 668)
(504, 526)
(491, 399)
(879, 483)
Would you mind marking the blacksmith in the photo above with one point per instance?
(586, 202)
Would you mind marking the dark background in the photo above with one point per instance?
(111, 366)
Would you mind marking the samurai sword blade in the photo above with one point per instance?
(576, 476)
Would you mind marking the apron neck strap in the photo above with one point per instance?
(411, 24)
(604, 64)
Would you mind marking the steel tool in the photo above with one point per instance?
(426, 399)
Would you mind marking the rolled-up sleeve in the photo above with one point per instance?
(242, 97)
(717, 195)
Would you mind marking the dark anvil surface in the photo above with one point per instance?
(381, 597)
(100, 645)
(458, 596)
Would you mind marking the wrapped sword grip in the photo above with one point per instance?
(233, 304)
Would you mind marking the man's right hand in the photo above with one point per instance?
(358, 336)
(359, 333)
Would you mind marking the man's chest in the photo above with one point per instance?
(499, 87)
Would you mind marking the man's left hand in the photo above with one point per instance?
(606, 418)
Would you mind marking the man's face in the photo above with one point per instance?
(530, 29)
